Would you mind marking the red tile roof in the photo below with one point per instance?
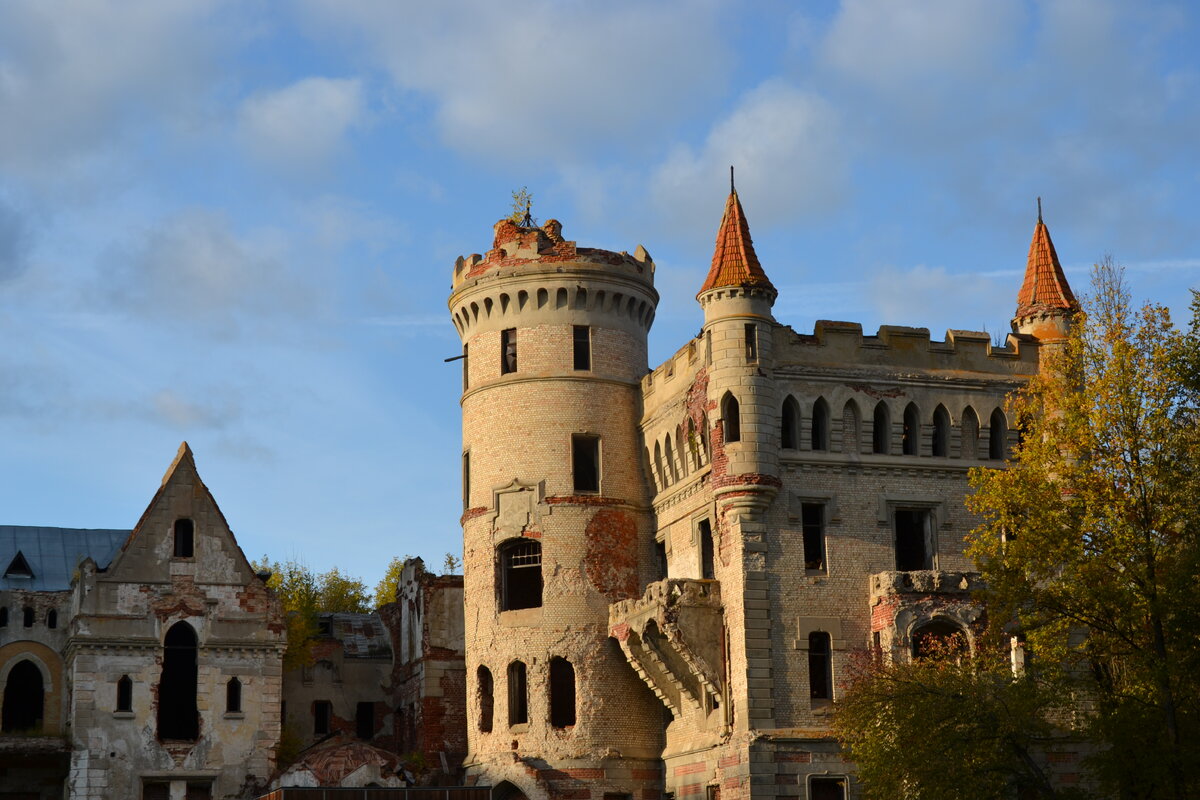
(1045, 287)
(734, 262)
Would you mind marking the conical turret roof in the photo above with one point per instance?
(1045, 287)
(734, 261)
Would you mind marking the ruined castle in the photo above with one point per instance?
(667, 570)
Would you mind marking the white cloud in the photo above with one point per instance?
(194, 267)
(786, 145)
(301, 126)
(541, 78)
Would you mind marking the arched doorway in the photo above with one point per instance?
(507, 791)
(178, 717)
(24, 696)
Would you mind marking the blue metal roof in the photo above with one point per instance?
(54, 553)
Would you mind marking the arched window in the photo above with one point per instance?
(562, 693)
(487, 698)
(705, 450)
(693, 444)
(731, 418)
(939, 638)
(663, 479)
(178, 717)
(881, 429)
(124, 694)
(518, 694)
(912, 430)
(24, 696)
(52, 619)
(998, 436)
(941, 432)
(789, 424)
(820, 666)
(520, 574)
(850, 426)
(27, 616)
(969, 434)
(670, 454)
(184, 535)
(233, 696)
(820, 425)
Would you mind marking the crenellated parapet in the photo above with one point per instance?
(534, 276)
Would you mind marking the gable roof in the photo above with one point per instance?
(53, 554)
(1045, 287)
(734, 262)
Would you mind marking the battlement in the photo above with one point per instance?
(517, 249)
(897, 346)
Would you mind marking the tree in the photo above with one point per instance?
(1090, 541)
(388, 588)
(452, 563)
(522, 201)
(948, 727)
(340, 593)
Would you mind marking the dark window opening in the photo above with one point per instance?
(325, 628)
(233, 696)
(812, 520)
(712, 792)
(997, 436)
(520, 574)
(18, 567)
(939, 639)
(466, 369)
(159, 790)
(820, 666)
(27, 616)
(660, 560)
(124, 694)
(827, 789)
(707, 567)
(881, 433)
(178, 717)
(912, 431)
(789, 428)
(582, 339)
(364, 720)
(24, 694)
(731, 415)
(322, 717)
(4, 617)
(508, 351)
(198, 791)
(518, 695)
(562, 693)
(914, 532)
(52, 619)
(486, 699)
(466, 480)
(751, 342)
(941, 432)
(585, 462)
(184, 534)
(820, 425)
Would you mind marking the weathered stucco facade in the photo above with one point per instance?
(157, 652)
(750, 514)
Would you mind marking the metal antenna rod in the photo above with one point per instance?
(1039, 209)
(731, 189)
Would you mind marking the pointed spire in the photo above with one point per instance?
(734, 261)
(1045, 287)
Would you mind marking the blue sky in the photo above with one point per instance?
(234, 222)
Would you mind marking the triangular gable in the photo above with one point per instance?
(18, 567)
(148, 545)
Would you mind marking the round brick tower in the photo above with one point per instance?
(556, 520)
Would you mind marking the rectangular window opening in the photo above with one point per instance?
(585, 462)
(322, 717)
(914, 535)
(751, 342)
(466, 480)
(707, 567)
(184, 538)
(820, 666)
(466, 370)
(660, 560)
(364, 720)
(827, 788)
(518, 696)
(812, 520)
(508, 351)
(583, 347)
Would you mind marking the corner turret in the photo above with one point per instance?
(736, 285)
(1045, 304)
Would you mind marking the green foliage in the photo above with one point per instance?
(339, 593)
(451, 564)
(387, 588)
(947, 727)
(1091, 539)
(522, 199)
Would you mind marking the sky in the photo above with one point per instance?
(234, 223)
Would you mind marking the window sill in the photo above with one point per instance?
(521, 617)
(234, 715)
(521, 728)
(123, 715)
